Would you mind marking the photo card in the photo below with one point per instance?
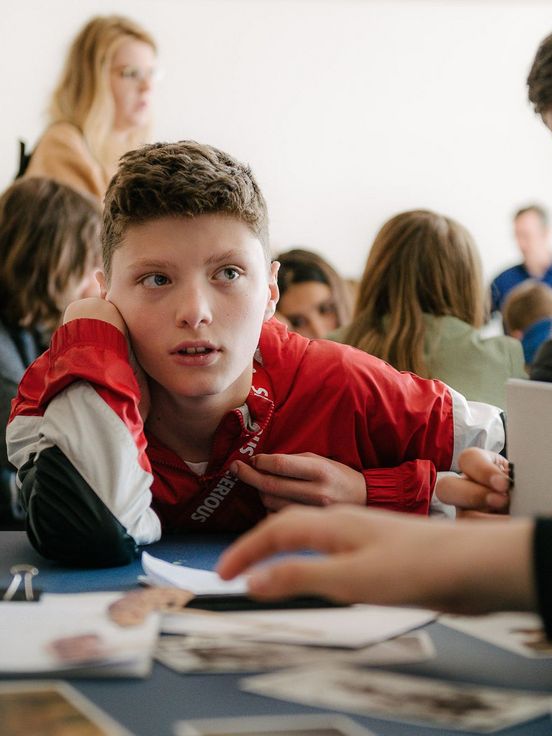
(225, 654)
(399, 697)
(520, 633)
(288, 725)
(51, 708)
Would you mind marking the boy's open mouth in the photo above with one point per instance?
(194, 351)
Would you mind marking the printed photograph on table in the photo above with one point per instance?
(210, 654)
(220, 654)
(292, 725)
(521, 633)
(51, 709)
(399, 697)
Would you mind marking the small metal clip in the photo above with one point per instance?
(25, 573)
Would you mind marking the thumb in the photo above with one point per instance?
(324, 577)
(485, 467)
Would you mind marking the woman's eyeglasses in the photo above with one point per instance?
(137, 74)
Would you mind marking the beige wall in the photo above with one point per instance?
(348, 110)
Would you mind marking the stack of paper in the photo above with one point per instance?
(354, 627)
(73, 633)
(351, 627)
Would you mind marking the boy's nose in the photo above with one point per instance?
(193, 309)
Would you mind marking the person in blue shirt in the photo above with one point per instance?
(532, 233)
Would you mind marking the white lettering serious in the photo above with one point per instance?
(215, 498)
(228, 481)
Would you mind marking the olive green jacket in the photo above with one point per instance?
(456, 354)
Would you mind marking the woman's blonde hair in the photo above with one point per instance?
(49, 240)
(420, 263)
(83, 95)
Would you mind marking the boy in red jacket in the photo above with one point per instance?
(216, 414)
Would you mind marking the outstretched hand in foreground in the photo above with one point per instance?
(394, 559)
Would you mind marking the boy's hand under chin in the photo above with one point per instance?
(97, 308)
(304, 478)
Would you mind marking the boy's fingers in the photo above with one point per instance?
(485, 467)
(273, 503)
(465, 493)
(326, 577)
(293, 490)
(303, 467)
(288, 531)
(498, 501)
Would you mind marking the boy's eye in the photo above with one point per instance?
(228, 274)
(154, 280)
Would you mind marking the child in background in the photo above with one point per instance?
(527, 313)
(314, 299)
(218, 415)
(49, 248)
(421, 304)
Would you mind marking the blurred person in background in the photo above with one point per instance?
(421, 303)
(101, 107)
(49, 250)
(314, 299)
(532, 235)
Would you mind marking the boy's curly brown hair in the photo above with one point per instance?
(183, 179)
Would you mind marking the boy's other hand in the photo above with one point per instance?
(483, 486)
(97, 308)
(304, 478)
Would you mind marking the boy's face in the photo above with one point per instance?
(194, 293)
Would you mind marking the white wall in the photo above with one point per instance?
(348, 110)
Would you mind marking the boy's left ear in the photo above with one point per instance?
(273, 291)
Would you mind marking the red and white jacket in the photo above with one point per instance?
(95, 484)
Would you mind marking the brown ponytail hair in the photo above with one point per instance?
(420, 263)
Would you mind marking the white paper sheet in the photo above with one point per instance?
(199, 582)
(352, 627)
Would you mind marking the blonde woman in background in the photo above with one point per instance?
(421, 304)
(101, 107)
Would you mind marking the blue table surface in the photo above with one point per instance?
(150, 707)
